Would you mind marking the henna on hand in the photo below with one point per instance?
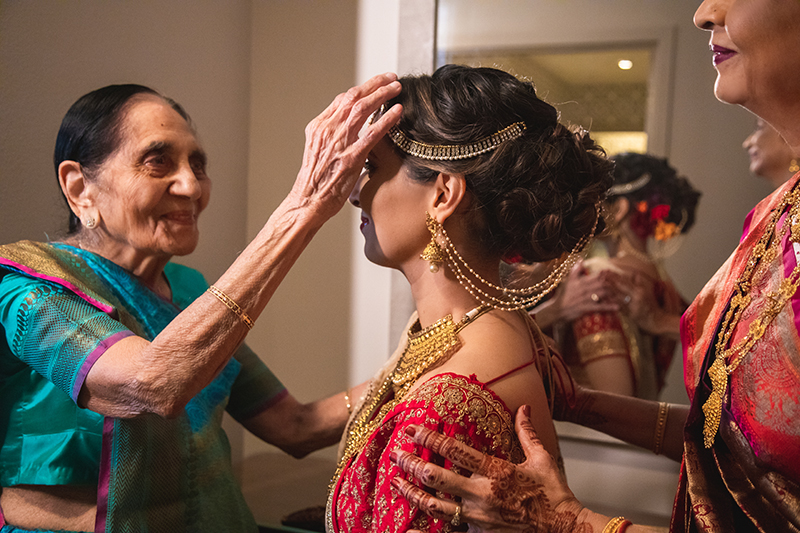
(500, 495)
(427, 503)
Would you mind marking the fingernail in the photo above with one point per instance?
(411, 431)
(393, 456)
(396, 482)
(526, 410)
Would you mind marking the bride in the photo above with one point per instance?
(477, 171)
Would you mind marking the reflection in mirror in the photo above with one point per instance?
(602, 316)
(604, 90)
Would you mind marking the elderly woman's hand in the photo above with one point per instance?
(334, 154)
(500, 496)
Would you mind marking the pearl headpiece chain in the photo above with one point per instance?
(510, 299)
(631, 186)
(445, 152)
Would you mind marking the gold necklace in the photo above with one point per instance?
(426, 349)
(764, 253)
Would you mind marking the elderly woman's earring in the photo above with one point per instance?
(90, 223)
(433, 253)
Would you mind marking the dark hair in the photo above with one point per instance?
(535, 196)
(92, 130)
(664, 188)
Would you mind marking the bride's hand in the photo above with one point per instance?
(500, 496)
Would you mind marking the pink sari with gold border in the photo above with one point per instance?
(750, 479)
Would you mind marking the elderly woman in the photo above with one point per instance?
(477, 170)
(740, 439)
(116, 364)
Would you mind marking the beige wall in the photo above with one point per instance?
(303, 55)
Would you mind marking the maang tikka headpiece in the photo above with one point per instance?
(449, 152)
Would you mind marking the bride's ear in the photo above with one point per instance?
(449, 190)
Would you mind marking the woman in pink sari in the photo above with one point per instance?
(740, 439)
(478, 170)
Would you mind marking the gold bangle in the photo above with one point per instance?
(661, 426)
(347, 402)
(233, 306)
(616, 525)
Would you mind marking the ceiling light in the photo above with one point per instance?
(625, 64)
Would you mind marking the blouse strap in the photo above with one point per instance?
(513, 370)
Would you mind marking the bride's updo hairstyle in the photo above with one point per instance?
(534, 196)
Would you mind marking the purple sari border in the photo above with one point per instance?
(58, 281)
(105, 475)
(89, 362)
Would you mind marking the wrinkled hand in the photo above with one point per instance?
(334, 154)
(500, 496)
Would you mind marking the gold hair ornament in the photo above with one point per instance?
(631, 186)
(449, 152)
(504, 298)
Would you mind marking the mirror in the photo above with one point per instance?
(604, 90)
(618, 85)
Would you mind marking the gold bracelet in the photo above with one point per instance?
(617, 525)
(233, 306)
(347, 402)
(661, 426)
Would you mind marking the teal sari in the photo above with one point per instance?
(152, 473)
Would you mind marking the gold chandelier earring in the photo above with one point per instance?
(433, 253)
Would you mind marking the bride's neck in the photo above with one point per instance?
(437, 294)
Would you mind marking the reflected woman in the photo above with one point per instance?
(650, 208)
(477, 171)
(770, 157)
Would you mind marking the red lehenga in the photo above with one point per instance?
(749, 480)
(361, 496)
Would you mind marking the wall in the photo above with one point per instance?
(303, 55)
